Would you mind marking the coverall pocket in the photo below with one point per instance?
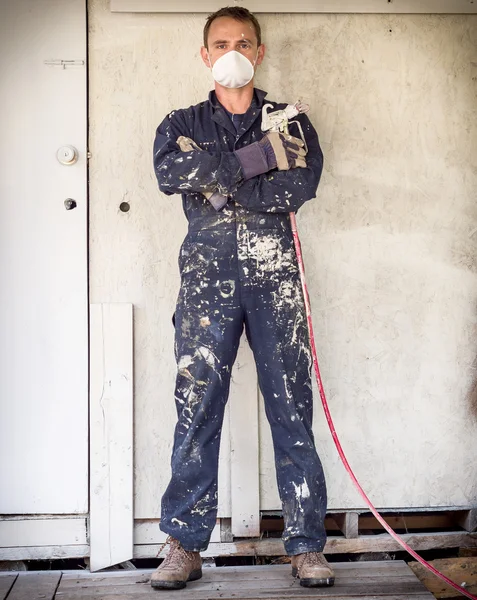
(198, 251)
(186, 251)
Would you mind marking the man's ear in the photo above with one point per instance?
(205, 57)
(261, 54)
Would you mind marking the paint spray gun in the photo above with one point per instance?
(280, 119)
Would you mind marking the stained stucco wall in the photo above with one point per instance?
(390, 242)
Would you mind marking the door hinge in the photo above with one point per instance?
(64, 63)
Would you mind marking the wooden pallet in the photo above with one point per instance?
(392, 580)
(335, 545)
(349, 532)
(352, 523)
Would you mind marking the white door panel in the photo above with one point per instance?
(43, 259)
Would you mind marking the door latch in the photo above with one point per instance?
(64, 63)
(70, 204)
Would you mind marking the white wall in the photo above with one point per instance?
(390, 242)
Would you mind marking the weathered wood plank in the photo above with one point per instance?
(35, 586)
(104, 581)
(335, 545)
(459, 570)
(468, 520)
(417, 541)
(391, 579)
(290, 583)
(85, 576)
(377, 566)
(192, 592)
(348, 524)
(111, 427)
(357, 570)
(6, 582)
(44, 552)
(248, 581)
(147, 594)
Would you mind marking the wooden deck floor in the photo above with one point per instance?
(354, 581)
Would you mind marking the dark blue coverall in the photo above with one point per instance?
(238, 267)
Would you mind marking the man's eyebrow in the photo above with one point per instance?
(217, 42)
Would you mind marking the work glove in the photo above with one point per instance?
(217, 200)
(274, 151)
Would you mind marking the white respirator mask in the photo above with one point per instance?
(233, 70)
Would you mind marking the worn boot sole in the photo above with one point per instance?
(175, 585)
(312, 582)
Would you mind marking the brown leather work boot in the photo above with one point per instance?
(178, 567)
(312, 569)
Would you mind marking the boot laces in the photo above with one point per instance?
(176, 553)
(315, 558)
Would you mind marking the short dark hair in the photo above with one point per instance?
(235, 12)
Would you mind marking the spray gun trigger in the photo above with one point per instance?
(280, 119)
(298, 124)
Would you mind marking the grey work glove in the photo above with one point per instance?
(275, 150)
(217, 200)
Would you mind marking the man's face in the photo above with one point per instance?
(227, 34)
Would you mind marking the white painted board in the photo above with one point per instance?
(225, 491)
(244, 446)
(111, 427)
(301, 6)
(53, 531)
(43, 260)
(44, 552)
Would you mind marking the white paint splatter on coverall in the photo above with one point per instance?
(238, 267)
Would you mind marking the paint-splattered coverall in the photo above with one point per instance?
(238, 267)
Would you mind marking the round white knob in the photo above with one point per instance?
(67, 155)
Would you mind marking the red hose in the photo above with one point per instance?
(324, 401)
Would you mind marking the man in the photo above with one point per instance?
(238, 267)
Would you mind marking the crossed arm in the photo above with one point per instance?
(180, 172)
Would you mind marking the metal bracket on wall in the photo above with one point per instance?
(64, 63)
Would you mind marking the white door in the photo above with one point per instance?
(43, 259)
